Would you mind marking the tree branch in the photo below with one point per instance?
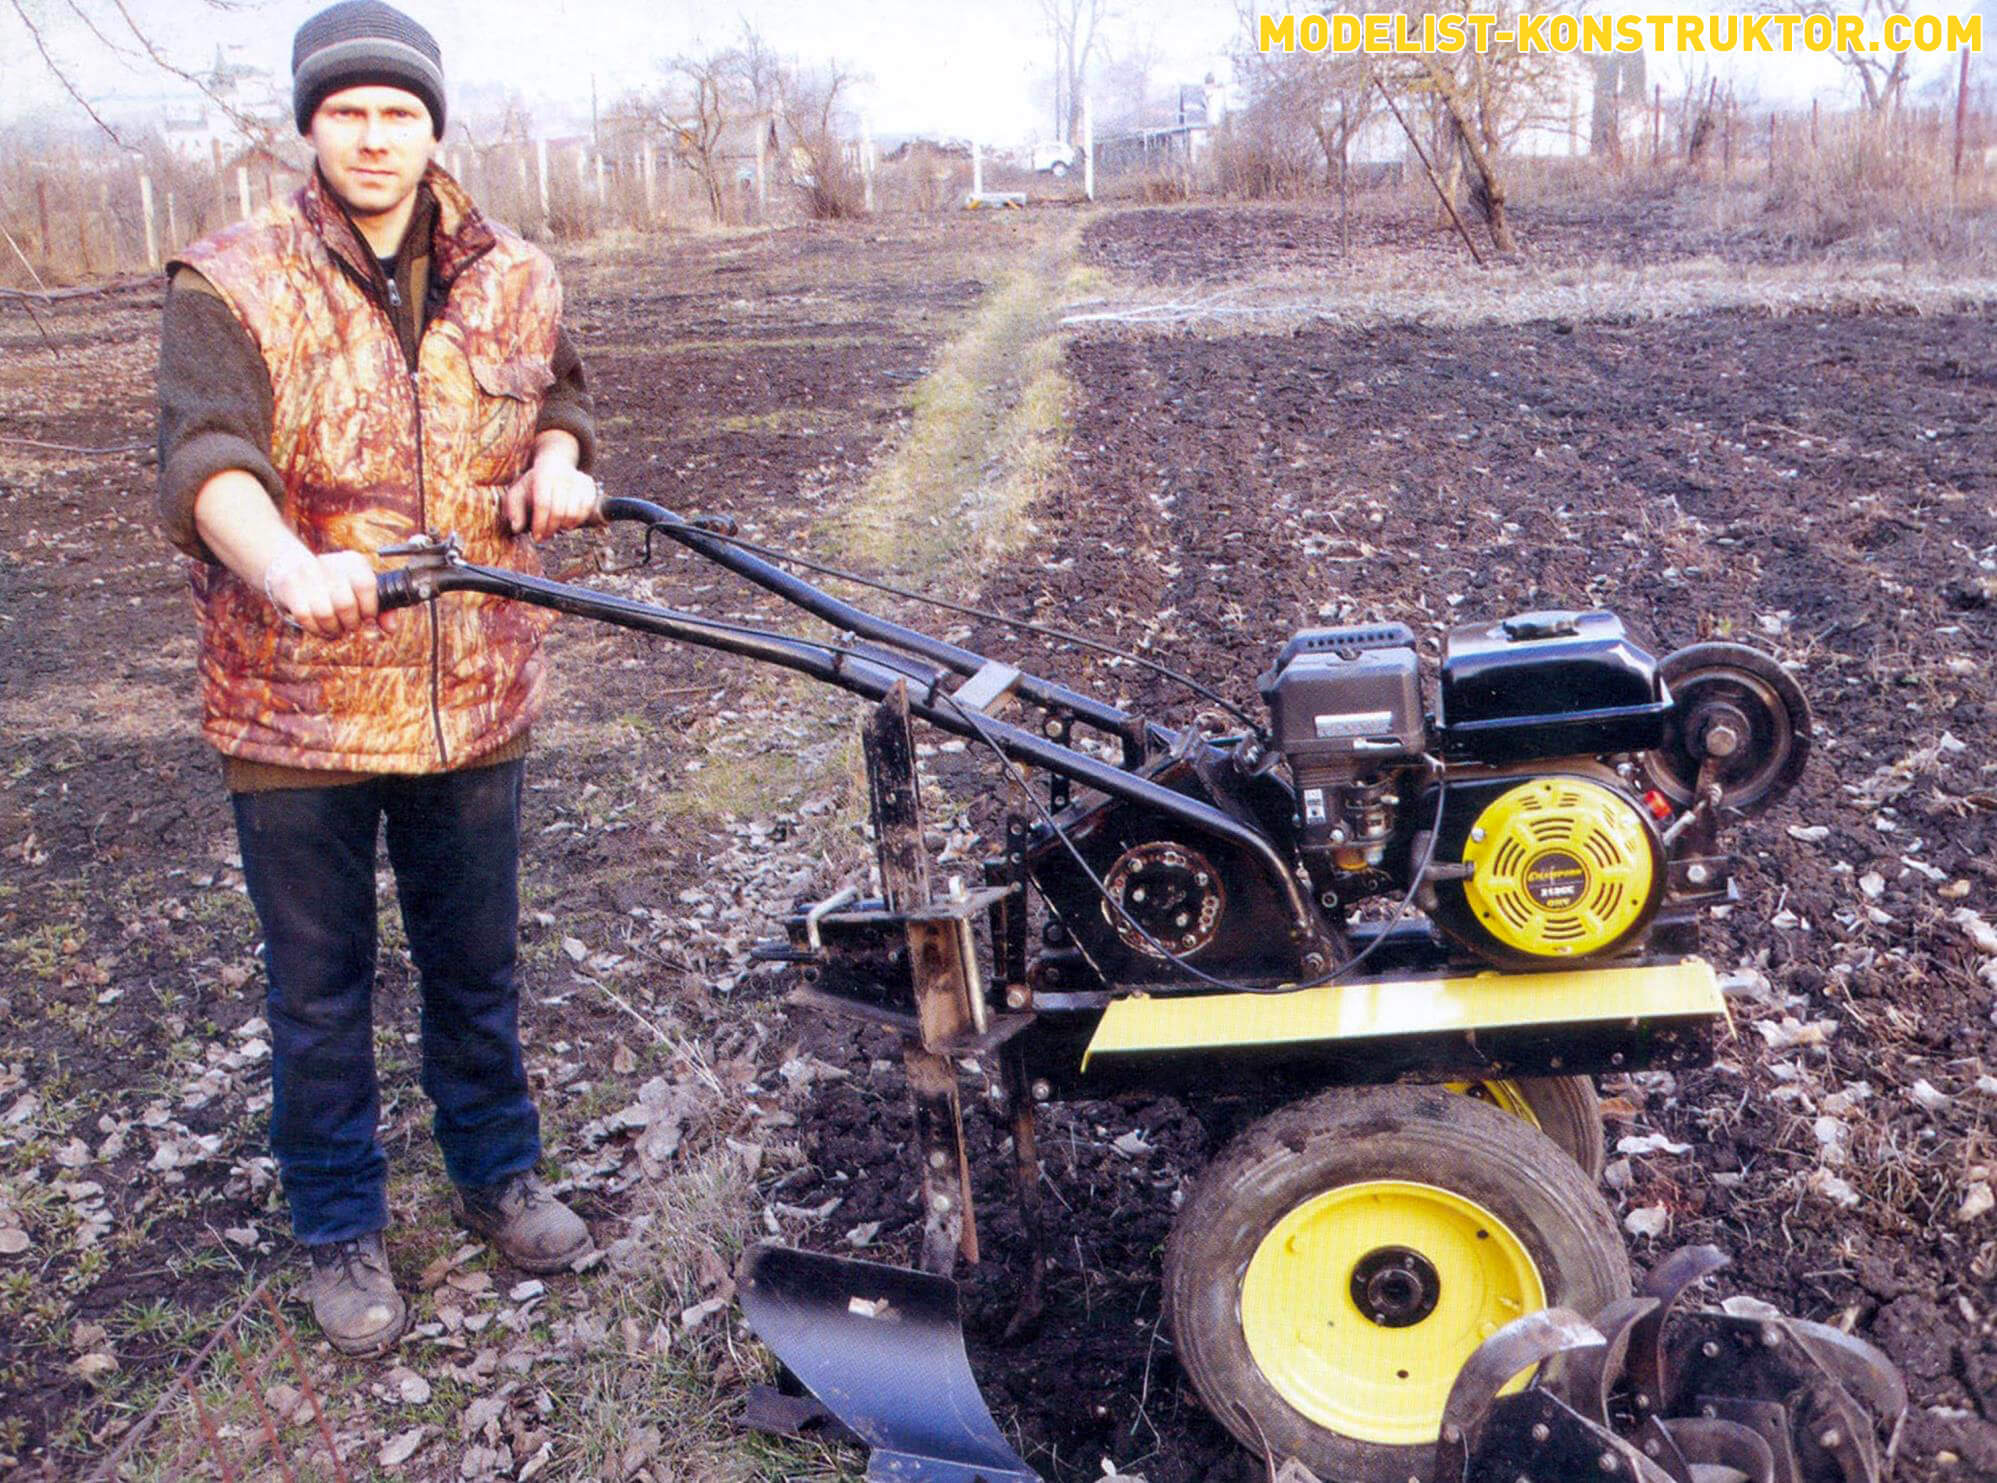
(62, 77)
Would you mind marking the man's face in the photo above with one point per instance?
(373, 145)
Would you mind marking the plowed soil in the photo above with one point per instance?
(1819, 486)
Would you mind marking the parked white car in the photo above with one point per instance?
(1052, 157)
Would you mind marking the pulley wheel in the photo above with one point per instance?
(1737, 709)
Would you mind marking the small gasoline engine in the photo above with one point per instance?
(1562, 792)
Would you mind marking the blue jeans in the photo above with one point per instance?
(309, 862)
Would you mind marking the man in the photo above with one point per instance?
(369, 360)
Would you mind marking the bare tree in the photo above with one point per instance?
(1125, 83)
(113, 27)
(695, 115)
(1882, 76)
(1483, 101)
(1074, 26)
(1328, 96)
(818, 135)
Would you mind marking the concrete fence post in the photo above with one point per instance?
(146, 211)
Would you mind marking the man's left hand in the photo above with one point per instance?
(551, 497)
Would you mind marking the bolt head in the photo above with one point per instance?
(940, 1204)
(938, 1159)
(1831, 1440)
(1608, 1463)
(1451, 1432)
(1478, 835)
(1015, 997)
(1541, 1431)
(1771, 1337)
(1042, 1090)
(1709, 1349)
(1698, 875)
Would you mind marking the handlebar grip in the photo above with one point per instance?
(394, 590)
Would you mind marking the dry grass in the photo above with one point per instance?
(987, 424)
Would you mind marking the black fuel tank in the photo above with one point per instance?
(1549, 684)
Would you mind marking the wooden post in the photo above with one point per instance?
(762, 164)
(602, 183)
(1657, 126)
(42, 210)
(243, 190)
(541, 157)
(1771, 144)
(651, 169)
(146, 211)
(172, 222)
(1961, 113)
(867, 162)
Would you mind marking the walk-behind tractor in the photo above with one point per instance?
(1416, 928)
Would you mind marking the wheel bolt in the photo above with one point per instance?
(1541, 1431)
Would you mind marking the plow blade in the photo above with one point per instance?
(882, 1349)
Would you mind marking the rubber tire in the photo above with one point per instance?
(1422, 1134)
(1570, 1114)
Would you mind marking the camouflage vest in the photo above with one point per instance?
(370, 455)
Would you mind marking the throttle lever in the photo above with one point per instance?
(407, 585)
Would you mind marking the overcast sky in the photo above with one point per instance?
(965, 68)
(968, 68)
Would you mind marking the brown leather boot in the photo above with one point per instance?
(353, 1296)
(532, 1229)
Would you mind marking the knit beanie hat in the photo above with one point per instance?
(359, 43)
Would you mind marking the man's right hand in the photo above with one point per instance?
(328, 595)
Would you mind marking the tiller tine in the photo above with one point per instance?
(1488, 1437)
(1654, 1393)
(1823, 1406)
(882, 1348)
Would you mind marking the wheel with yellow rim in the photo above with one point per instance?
(1565, 1108)
(1337, 1264)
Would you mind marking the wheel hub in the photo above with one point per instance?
(1395, 1287)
